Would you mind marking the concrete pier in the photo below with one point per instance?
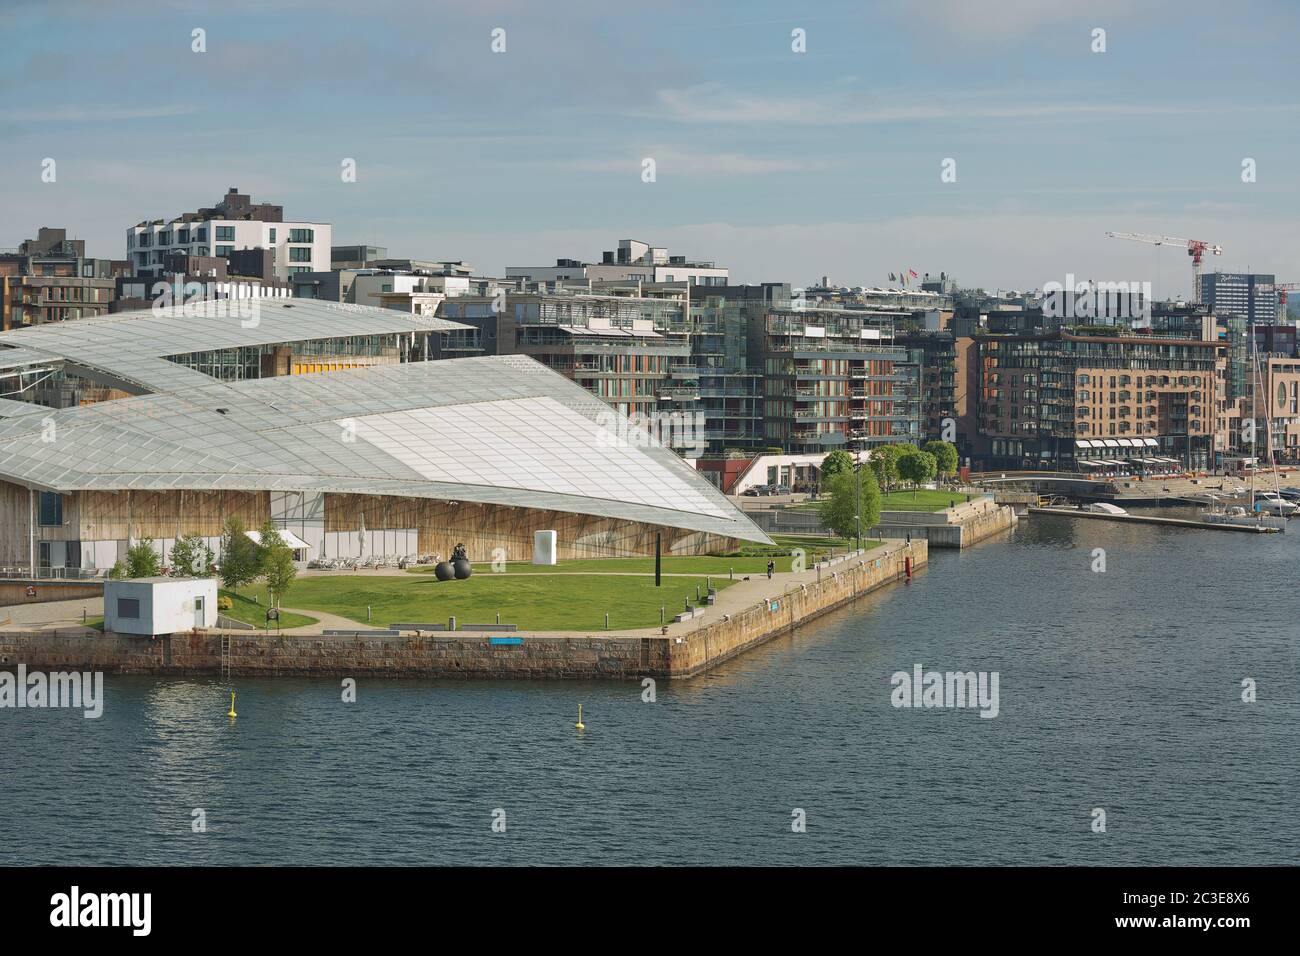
(1154, 519)
(745, 615)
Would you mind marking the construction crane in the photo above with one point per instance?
(1196, 248)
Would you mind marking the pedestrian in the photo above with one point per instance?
(771, 566)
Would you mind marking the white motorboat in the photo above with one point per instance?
(1103, 507)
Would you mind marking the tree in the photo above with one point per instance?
(840, 512)
(191, 555)
(917, 467)
(945, 456)
(884, 462)
(239, 556)
(276, 562)
(837, 462)
(142, 560)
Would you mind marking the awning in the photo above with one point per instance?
(1110, 443)
(1126, 442)
(1151, 442)
(1083, 443)
(294, 542)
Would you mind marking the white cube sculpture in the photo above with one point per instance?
(543, 547)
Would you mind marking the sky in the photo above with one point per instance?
(781, 165)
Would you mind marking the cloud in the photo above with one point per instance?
(673, 161)
(708, 104)
(76, 114)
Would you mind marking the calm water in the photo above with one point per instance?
(1118, 690)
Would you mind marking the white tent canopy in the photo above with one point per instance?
(294, 542)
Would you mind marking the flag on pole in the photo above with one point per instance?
(912, 273)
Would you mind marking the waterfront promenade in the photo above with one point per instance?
(745, 614)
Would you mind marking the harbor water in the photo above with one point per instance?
(1119, 690)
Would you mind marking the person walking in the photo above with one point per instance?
(771, 566)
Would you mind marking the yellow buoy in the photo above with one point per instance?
(580, 725)
(232, 705)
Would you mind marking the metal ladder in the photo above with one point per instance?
(225, 657)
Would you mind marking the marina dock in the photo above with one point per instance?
(1153, 519)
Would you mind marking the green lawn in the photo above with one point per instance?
(534, 602)
(922, 499)
(751, 560)
(250, 612)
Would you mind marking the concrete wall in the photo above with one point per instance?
(15, 592)
(839, 585)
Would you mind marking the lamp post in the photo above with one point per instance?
(857, 494)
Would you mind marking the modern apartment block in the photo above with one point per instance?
(1249, 295)
(622, 348)
(833, 378)
(50, 279)
(1046, 401)
(633, 260)
(950, 387)
(236, 223)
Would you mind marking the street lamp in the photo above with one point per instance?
(857, 493)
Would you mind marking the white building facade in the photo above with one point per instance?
(233, 224)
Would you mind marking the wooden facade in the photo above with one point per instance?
(92, 520)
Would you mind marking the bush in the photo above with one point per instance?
(225, 603)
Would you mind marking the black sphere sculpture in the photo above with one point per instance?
(443, 571)
(462, 568)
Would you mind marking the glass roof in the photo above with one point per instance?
(501, 430)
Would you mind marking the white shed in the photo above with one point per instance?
(159, 605)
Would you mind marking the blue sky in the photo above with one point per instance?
(782, 166)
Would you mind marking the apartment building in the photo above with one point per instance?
(1046, 399)
(50, 279)
(235, 223)
(949, 378)
(633, 260)
(833, 378)
(190, 278)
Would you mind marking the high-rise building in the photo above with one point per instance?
(1249, 295)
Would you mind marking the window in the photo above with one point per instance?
(226, 233)
(273, 237)
(128, 607)
(299, 254)
(302, 235)
(225, 250)
(51, 509)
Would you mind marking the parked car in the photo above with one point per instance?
(755, 491)
(781, 490)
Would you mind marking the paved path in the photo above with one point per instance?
(60, 614)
